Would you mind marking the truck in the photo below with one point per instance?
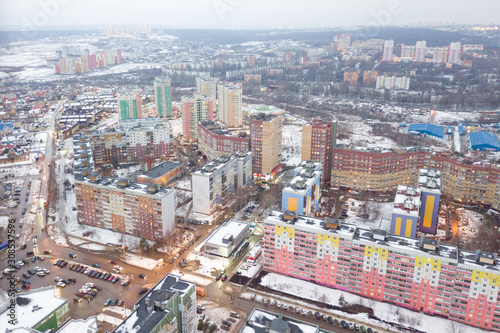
(254, 254)
(200, 291)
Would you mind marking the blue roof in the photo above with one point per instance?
(429, 129)
(2, 125)
(461, 129)
(483, 141)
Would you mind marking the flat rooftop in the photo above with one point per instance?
(26, 316)
(261, 321)
(231, 227)
(311, 223)
(162, 169)
(407, 200)
(143, 321)
(424, 246)
(124, 185)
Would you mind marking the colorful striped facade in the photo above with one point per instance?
(418, 274)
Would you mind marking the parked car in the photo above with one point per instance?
(108, 302)
(72, 255)
(142, 276)
(143, 291)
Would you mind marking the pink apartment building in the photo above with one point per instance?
(419, 274)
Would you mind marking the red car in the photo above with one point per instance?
(113, 262)
(111, 277)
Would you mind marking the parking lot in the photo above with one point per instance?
(86, 307)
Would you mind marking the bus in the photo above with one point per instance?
(254, 254)
(200, 291)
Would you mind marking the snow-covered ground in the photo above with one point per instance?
(125, 172)
(379, 214)
(208, 265)
(249, 270)
(216, 314)
(139, 261)
(184, 183)
(21, 170)
(192, 278)
(4, 220)
(292, 143)
(385, 311)
(177, 126)
(469, 224)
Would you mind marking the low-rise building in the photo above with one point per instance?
(263, 321)
(227, 238)
(161, 174)
(39, 309)
(169, 307)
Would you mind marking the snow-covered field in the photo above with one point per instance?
(385, 311)
(379, 214)
(208, 265)
(292, 142)
(139, 261)
(21, 170)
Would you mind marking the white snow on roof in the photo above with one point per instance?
(44, 298)
(80, 325)
(232, 227)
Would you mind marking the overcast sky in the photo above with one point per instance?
(246, 13)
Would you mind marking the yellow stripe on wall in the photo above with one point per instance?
(292, 204)
(397, 231)
(408, 228)
(429, 210)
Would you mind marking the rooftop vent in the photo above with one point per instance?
(290, 216)
(485, 257)
(333, 223)
(123, 183)
(95, 177)
(408, 204)
(153, 188)
(379, 234)
(429, 244)
(411, 191)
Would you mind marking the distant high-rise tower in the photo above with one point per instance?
(454, 53)
(206, 86)
(229, 104)
(129, 104)
(318, 140)
(266, 135)
(251, 61)
(195, 109)
(342, 41)
(388, 50)
(420, 51)
(163, 96)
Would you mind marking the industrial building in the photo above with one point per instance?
(169, 307)
(213, 184)
(483, 141)
(418, 274)
(404, 219)
(226, 238)
(303, 192)
(429, 130)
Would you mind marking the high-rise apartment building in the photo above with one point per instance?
(407, 52)
(132, 142)
(420, 51)
(405, 215)
(370, 77)
(195, 109)
(393, 82)
(266, 136)
(419, 274)
(229, 104)
(169, 307)
(130, 104)
(163, 97)
(214, 140)
(206, 86)
(351, 77)
(454, 52)
(388, 50)
(318, 140)
(213, 184)
(429, 182)
(251, 61)
(342, 42)
(122, 206)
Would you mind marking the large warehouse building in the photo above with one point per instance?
(430, 130)
(483, 141)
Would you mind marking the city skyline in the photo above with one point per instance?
(244, 14)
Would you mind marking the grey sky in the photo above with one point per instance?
(246, 13)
